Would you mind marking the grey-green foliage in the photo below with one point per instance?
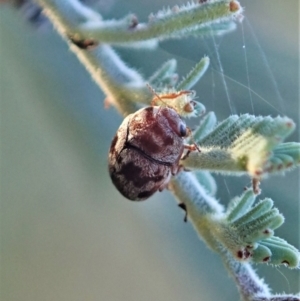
(239, 144)
(245, 144)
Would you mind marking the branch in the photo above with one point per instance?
(200, 206)
(123, 86)
(179, 21)
(240, 235)
(126, 88)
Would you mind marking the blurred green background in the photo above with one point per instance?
(66, 233)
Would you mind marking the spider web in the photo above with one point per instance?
(253, 72)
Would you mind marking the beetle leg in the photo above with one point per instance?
(85, 44)
(183, 207)
(165, 184)
(194, 145)
(185, 155)
(190, 148)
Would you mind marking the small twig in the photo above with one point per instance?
(164, 24)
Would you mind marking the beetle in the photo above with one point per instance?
(146, 151)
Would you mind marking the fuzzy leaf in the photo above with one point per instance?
(241, 144)
(206, 30)
(207, 181)
(165, 24)
(165, 75)
(207, 124)
(247, 230)
(181, 101)
(239, 206)
(285, 156)
(194, 75)
(261, 254)
(256, 212)
(282, 252)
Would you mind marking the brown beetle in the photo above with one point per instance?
(146, 151)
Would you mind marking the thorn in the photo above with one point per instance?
(255, 186)
(183, 207)
(86, 44)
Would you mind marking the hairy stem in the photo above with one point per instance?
(124, 88)
(164, 24)
(245, 277)
(199, 206)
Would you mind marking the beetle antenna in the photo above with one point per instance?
(155, 94)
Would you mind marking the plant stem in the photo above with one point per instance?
(164, 25)
(124, 87)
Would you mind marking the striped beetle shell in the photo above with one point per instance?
(146, 151)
